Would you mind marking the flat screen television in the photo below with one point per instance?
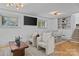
(30, 20)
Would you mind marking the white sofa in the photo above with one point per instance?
(46, 40)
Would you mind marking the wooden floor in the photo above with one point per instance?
(67, 48)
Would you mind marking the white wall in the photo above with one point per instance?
(52, 24)
(8, 34)
(77, 18)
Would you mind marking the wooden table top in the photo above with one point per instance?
(14, 46)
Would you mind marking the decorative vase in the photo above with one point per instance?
(17, 40)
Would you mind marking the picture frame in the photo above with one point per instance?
(8, 21)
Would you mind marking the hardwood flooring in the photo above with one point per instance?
(67, 48)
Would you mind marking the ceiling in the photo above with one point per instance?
(43, 9)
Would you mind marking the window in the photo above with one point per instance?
(41, 23)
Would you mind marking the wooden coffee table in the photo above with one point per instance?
(18, 51)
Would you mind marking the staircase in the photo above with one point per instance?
(75, 35)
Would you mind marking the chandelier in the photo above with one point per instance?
(16, 5)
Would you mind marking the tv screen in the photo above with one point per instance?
(30, 20)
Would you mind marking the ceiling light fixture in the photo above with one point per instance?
(55, 13)
(16, 5)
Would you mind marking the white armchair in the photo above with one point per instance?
(46, 41)
(33, 39)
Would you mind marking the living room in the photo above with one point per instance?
(51, 21)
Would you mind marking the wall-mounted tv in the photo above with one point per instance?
(30, 20)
